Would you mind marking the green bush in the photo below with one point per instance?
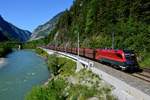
(42, 53)
(60, 64)
(53, 64)
(146, 61)
(6, 48)
(53, 91)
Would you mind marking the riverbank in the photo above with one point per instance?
(2, 60)
(67, 84)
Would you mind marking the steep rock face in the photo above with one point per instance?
(11, 32)
(45, 29)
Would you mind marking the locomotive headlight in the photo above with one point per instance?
(123, 67)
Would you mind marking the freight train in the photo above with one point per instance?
(120, 59)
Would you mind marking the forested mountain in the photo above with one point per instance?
(96, 20)
(12, 33)
(45, 29)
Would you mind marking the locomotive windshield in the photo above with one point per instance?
(130, 57)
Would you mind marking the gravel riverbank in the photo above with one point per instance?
(2, 62)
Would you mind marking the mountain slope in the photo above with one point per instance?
(45, 29)
(96, 20)
(11, 32)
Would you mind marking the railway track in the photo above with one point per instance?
(146, 70)
(144, 75)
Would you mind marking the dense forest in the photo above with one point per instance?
(97, 20)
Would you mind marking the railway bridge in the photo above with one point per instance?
(126, 87)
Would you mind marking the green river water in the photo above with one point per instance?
(22, 70)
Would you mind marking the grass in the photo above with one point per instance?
(146, 61)
(41, 52)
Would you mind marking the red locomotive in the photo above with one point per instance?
(123, 59)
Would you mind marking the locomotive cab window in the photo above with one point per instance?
(130, 57)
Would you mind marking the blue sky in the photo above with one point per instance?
(28, 14)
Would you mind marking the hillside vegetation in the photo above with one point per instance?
(7, 47)
(96, 20)
(65, 84)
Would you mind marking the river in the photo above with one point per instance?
(22, 70)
